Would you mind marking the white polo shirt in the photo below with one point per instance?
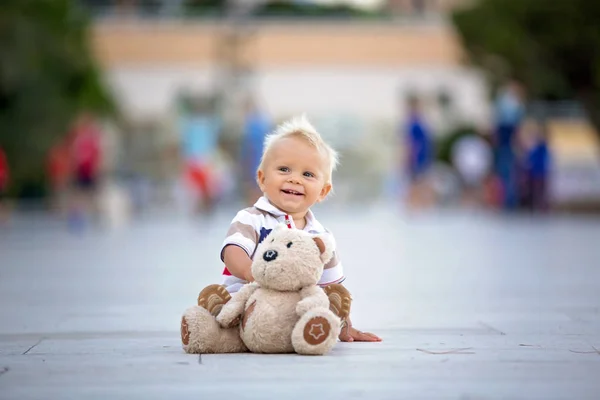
(252, 225)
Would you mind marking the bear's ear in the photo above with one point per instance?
(325, 245)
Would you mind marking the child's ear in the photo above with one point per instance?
(325, 191)
(260, 180)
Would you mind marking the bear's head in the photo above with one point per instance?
(291, 259)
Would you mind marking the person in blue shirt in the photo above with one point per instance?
(418, 142)
(537, 167)
(419, 155)
(509, 112)
(200, 129)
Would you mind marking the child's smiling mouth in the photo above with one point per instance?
(292, 192)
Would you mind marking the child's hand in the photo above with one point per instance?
(351, 334)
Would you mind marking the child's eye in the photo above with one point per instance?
(289, 245)
(309, 174)
(284, 169)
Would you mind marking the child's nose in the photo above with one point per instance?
(294, 179)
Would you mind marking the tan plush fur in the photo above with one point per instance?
(206, 336)
(283, 311)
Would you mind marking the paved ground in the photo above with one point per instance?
(470, 306)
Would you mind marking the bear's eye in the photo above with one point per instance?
(272, 240)
(289, 245)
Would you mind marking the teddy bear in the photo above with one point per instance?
(282, 311)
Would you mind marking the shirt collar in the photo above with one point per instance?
(265, 205)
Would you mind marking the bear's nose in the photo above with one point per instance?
(270, 255)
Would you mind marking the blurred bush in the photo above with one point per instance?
(47, 76)
(552, 47)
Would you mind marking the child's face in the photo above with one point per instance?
(293, 175)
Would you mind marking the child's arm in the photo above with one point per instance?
(234, 308)
(238, 263)
(240, 242)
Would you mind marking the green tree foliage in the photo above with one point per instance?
(47, 76)
(207, 8)
(551, 46)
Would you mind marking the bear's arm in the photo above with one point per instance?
(235, 307)
(312, 297)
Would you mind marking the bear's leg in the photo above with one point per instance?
(201, 333)
(213, 297)
(316, 332)
(340, 300)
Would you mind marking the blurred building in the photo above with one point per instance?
(319, 67)
(350, 76)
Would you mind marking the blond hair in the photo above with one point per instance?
(300, 127)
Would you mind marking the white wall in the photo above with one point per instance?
(369, 92)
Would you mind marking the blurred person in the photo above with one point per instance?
(139, 164)
(537, 168)
(419, 155)
(4, 179)
(58, 167)
(509, 112)
(256, 127)
(295, 173)
(86, 156)
(472, 158)
(200, 130)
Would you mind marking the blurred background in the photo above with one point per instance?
(465, 207)
(110, 109)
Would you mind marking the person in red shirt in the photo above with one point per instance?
(86, 154)
(86, 158)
